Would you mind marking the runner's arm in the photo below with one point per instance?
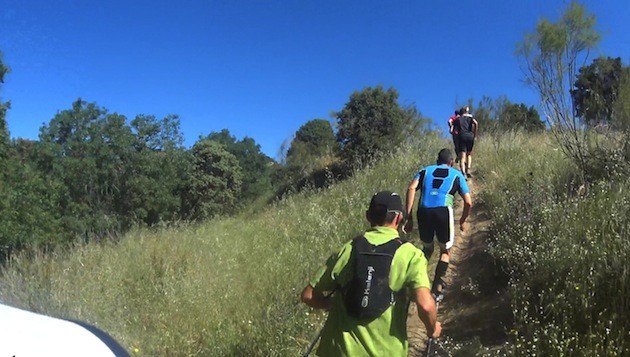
(427, 312)
(466, 211)
(315, 299)
(475, 126)
(324, 281)
(411, 196)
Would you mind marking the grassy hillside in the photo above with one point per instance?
(227, 287)
(563, 244)
(230, 286)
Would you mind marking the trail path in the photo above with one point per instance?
(474, 307)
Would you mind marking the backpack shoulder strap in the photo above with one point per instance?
(361, 245)
(392, 246)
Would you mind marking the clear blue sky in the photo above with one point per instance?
(263, 68)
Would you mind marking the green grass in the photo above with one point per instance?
(227, 287)
(230, 286)
(565, 248)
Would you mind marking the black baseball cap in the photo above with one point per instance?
(390, 200)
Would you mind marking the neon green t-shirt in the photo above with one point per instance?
(386, 335)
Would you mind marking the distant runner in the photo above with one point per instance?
(454, 132)
(438, 185)
(367, 326)
(467, 127)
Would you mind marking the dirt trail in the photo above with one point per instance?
(475, 306)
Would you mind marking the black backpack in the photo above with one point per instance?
(368, 295)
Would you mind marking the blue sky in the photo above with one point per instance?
(263, 68)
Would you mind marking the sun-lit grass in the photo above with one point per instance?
(226, 287)
(564, 246)
(230, 286)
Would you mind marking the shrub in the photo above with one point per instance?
(566, 252)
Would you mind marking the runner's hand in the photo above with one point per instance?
(438, 330)
(408, 227)
(462, 226)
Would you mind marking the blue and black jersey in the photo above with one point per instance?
(438, 185)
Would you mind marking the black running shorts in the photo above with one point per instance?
(466, 142)
(436, 222)
(456, 143)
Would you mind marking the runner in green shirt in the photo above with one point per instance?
(385, 335)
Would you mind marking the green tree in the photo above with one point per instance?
(520, 117)
(160, 168)
(415, 124)
(495, 116)
(596, 89)
(215, 181)
(4, 106)
(27, 198)
(487, 112)
(157, 135)
(90, 150)
(621, 111)
(313, 142)
(551, 56)
(115, 175)
(317, 138)
(372, 123)
(30, 216)
(621, 121)
(255, 165)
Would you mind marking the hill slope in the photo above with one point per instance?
(230, 286)
(226, 287)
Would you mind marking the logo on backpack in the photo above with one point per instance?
(368, 283)
(368, 295)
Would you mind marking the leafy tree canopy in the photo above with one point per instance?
(520, 117)
(28, 199)
(313, 140)
(551, 56)
(596, 89)
(3, 69)
(254, 163)
(487, 112)
(372, 123)
(158, 135)
(4, 106)
(216, 180)
(500, 114)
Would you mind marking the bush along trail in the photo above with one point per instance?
(475, 310)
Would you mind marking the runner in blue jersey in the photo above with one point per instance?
(438, 185)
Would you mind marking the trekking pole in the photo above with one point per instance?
(319, 334)
(310, 348)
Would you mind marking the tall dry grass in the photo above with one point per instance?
(226, 287)
(564, 246)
